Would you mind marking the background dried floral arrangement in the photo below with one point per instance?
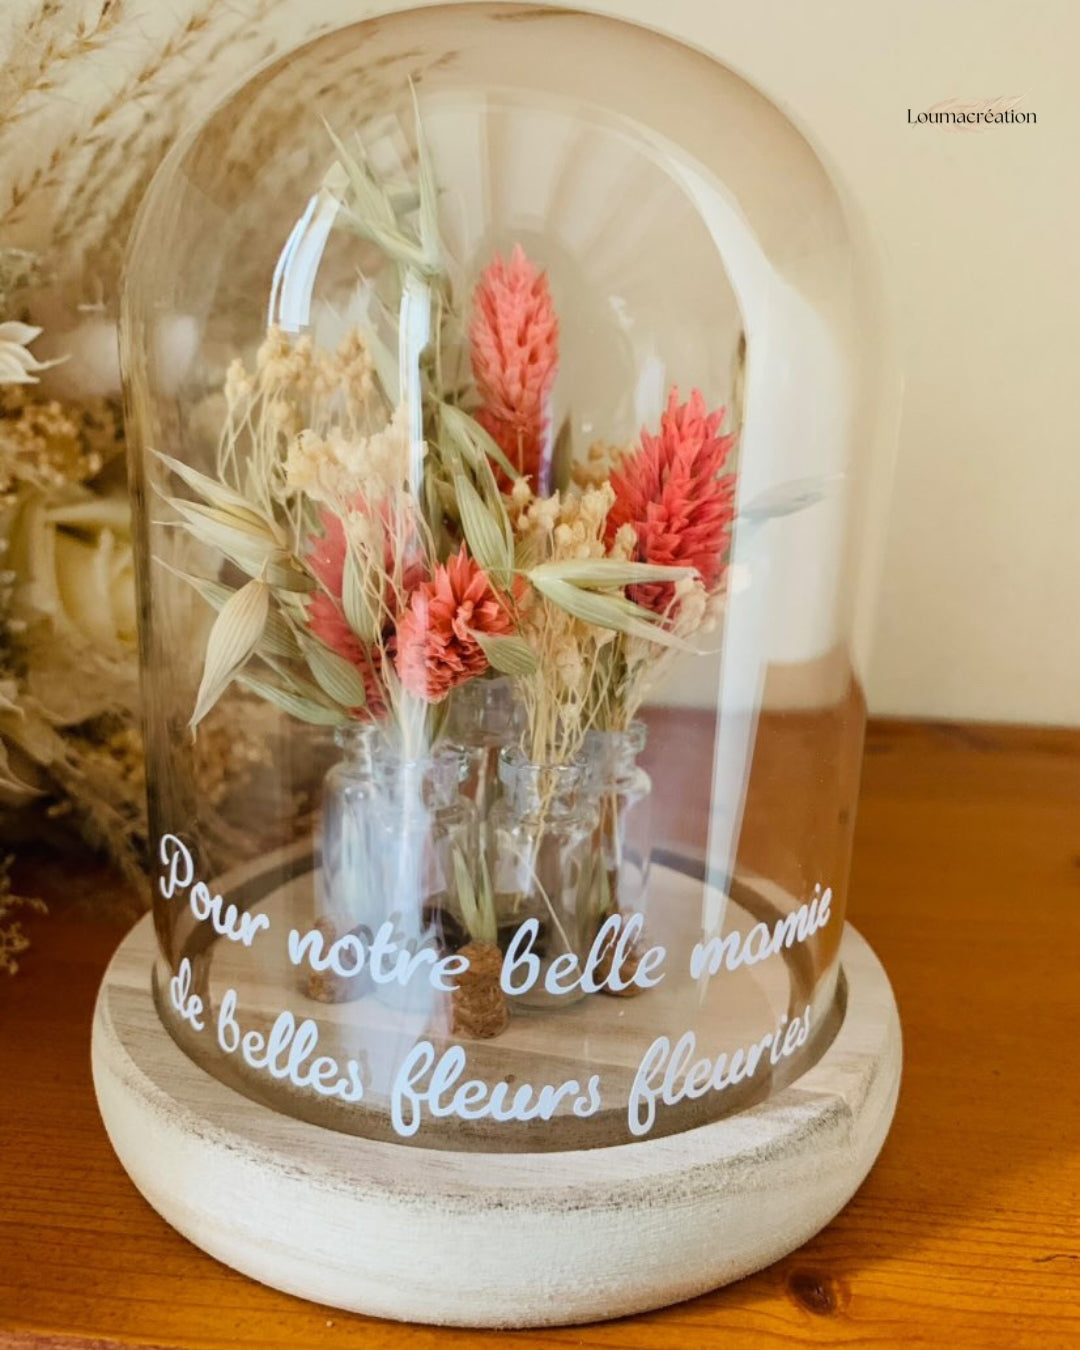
(92, 94)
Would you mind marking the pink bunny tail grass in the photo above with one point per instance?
(673, 495)
(514, 333)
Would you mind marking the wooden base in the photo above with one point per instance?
(492, 1239)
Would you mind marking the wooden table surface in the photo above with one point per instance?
(967, 1233)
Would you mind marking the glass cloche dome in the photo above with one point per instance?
(503, 383)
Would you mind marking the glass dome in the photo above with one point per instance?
(504, 384)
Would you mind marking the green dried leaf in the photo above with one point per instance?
(508, 655)
(369, 197)
(609, 573)
(277, 638)
(491, 492)
(404, 199)
(305, 709)
(477, 907)
(360, 614)
(472, 440)
(486, 540)
(391, 241)
(335, 676)
(605, 611)
(369, 211)
(387, 365)
(249, 545)
(527, 553)
(285, 573)
(562, 459)
(214, 492)
(233, 638)
(439, 501)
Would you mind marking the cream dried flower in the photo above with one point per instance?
(690, 606)
(273, 360)
(595, 504)
(576, 539)
(384, 457)
(239, 386)
(313, 465)
(542, 514)
(282, 362)
(17, 364)
(353, 370)
(364, 531)
(566, 659)
(596, 468)
(285, 418)
(624, 545)
(335, 468)
(52, 445)
(715, 608)
(74, 566)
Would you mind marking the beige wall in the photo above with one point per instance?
(979, 614)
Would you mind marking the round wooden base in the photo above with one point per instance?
(491, 1239)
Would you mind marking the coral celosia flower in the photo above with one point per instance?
(436, 647)
(327, 619)
(670, 491)
(515, 355)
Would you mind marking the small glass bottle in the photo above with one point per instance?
(541, 861)
(348, 894)
(485, 717)
(424, 838)
(623, 793)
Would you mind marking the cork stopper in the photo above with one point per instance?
(479, 1004)
(627, 969)
(324, 985)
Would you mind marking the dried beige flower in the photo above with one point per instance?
(74, 567)
(13, 940)
(329, 468)
(18, 365)
(624, 545)
(239, 386)
(597, 466)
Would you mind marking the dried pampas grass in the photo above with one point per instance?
(93, 93)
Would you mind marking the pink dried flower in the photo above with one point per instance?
(673, 495)
(514, 334)
(436, 647)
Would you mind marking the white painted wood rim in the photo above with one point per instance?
(479, 1239)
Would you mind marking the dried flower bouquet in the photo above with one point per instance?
(399, 517)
